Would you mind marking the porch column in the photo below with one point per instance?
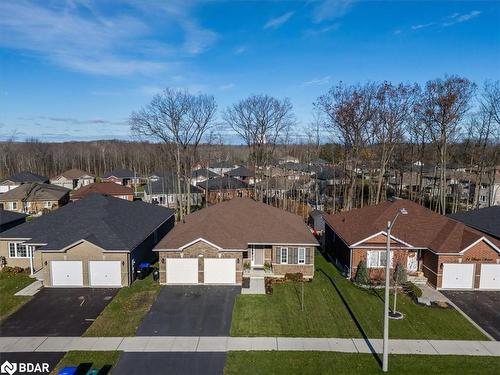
(30, 249)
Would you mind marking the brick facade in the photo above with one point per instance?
(481, 253)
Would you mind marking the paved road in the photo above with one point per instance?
(58, 312)
(194, 310)
(482, 307)
(193, 344)
(171, 363)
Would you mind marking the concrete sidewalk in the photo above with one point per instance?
(225, 344)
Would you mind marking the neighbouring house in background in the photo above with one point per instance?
(224, 188)
(243, 174)
(213, 244)
(222, 167)
(73, 179)
(317, 221)
(288, 159)
(94, 242)
(106, 188)
(450, 254)
(162, 189)
(9, 219)
(201, 175)
(122, 176)
(486, 220)
(21, 178)
(34, 198)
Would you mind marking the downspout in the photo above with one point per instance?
(350, 263)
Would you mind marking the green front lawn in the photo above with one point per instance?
(334, 307)
(314, 363)
(11, 283)
(94, 359)
(125, 312)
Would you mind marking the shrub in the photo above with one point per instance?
(412, 290)
(294, 276)
(246, 266)
(399, 275)
(362, 277)
(17, 270)
(7, 269)
(267, 266)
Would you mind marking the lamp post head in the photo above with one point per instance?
(403, 211)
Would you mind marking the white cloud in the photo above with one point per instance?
(226, 87)
(459, 18)
(331, 9)
(274, 23)
(240, 50)
(318, 81)
(78, 36)
(422, 26)
(322, 30)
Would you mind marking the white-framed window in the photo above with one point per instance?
(301, 258)
(376, 258)
(284, 255)
(13, 205)
(19, 250)
(47, 204)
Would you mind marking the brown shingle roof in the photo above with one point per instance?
(420, 228)
(108, 188)
(73, 174)
(35, 191)
(236, 223)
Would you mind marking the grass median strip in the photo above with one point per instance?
(126, 311)
(11, 283)
(335, 307)
(314, 363)
(88, 360)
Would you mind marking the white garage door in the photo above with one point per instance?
(490, 276)
(105, 273)
(66, 273)
(182, 271)
(220, 271)
(458, 276)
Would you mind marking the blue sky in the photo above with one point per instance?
(74, 70)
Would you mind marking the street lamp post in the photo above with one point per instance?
(385, 356)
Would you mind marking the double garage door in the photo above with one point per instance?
(69, 273)
(215, 271)
(461, 276)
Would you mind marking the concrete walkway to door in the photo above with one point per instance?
(225, 344)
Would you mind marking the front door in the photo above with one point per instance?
(257, 257)
(412, 262)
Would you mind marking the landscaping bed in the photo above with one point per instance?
(88, 360)
(335, 307)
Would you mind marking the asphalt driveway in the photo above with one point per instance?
(58, 312)
(195, 310)
(51, 359)
(480, 306)
(170, 363)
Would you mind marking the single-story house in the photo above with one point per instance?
(449, 254)
(73, 179)
(222, 167)
(162, 190)
(122, 176)
(214, 245)
(201, 175)
(486, 220)
(21, 178)
(106, 188)
(9, 219)
(242, 173)
(94, 242)
(224, 188)
(35, 198)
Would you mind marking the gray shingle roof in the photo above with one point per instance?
(224, 183)
(204, 172)
(35, 191)
(120, 173)
(25, 176)
(486, 219)
(167, 184)
(108, 222)
(240, 172)
(10, 216)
